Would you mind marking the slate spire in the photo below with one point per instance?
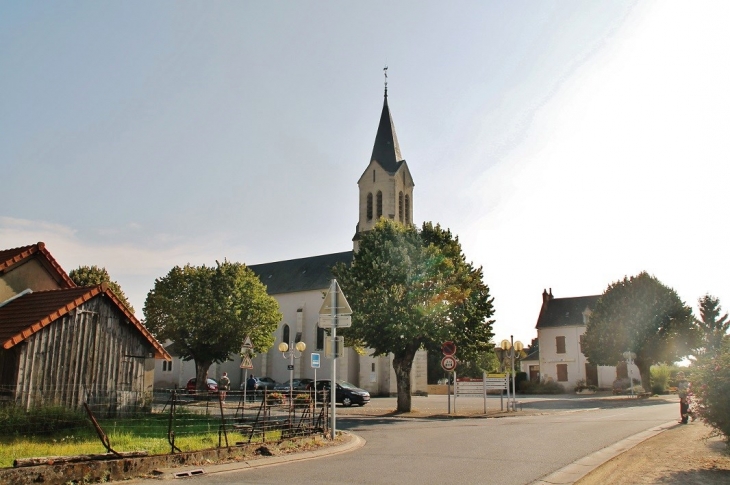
(386, 149)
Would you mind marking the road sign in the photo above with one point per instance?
(315, 360)
(247, 344)
(448, 363)
(246, 362)
(343, 321)
(333, 347)
(448, 348)
(341, 305)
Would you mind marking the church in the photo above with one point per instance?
(299, 285)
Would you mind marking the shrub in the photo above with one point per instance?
(660, 375)
(710, 385)
(549, 387)
(41, 420)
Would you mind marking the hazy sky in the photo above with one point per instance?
(566, 143)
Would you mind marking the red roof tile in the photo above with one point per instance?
(23, 316)
(9, 258)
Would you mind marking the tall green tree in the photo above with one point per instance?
(208, 311)
(641, 315)
(94, 275)
(412, 289)
(712, 326)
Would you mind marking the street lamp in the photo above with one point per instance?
(291, 353)
(511, 347)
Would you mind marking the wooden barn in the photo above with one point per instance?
(69, 345)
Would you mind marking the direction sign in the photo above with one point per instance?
(448, 363)
(448, 348)
(343, 321)
(341, 305)
(315, 360)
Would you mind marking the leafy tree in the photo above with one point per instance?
(713, 327)
(412, 289)
(641, 315)
(94, 275)
(710, 385)
(208, 311)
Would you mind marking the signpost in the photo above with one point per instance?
(334, 308)
(246, 351)
(449, 363)
(315, 366)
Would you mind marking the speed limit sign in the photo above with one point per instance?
(448, 363)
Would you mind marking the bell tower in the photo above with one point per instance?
(386, 186)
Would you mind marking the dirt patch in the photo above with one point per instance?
(683, 455)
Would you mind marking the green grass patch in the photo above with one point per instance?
(25, 437)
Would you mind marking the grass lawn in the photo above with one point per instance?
(25, 435)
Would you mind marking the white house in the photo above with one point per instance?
(560, 328)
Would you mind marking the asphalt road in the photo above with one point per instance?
(507, 450)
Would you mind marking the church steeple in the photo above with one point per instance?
(386, 186)
(386, 150)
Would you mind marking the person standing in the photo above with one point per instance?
(223, 386)
(251, 388)
(683, 391)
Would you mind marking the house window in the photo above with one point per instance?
(562, 372)
(400, 206)
(320, 339)
(560, 344)
(408, 209)
(372, 369)
(285, 334)
(166, 366)
(370, 206)
(379, 203)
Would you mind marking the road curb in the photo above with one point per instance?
(352, 443)
(582, 467)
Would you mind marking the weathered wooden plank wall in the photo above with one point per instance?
(92, 354)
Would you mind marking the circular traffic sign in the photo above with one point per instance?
(448, 348)
(448, 363)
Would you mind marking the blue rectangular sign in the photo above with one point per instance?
(315, 360)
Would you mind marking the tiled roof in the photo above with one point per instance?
(27, 314)
(533, 354)
(313, 273)
(10, 258)
(565, 312)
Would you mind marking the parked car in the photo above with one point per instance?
(346, 394)
(191, 386)
(263, 384)
(299, 385)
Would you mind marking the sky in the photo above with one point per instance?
(567, 144)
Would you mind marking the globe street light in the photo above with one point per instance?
(511, 346)
(290, 352)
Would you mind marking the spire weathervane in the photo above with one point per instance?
(385, 73)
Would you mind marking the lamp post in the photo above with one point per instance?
(511, 346)
(290, 352)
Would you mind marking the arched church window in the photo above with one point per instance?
(370, 206)
(408, 209)
(373, 175)
(379, 202)
(285, 334)
(400, 206)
